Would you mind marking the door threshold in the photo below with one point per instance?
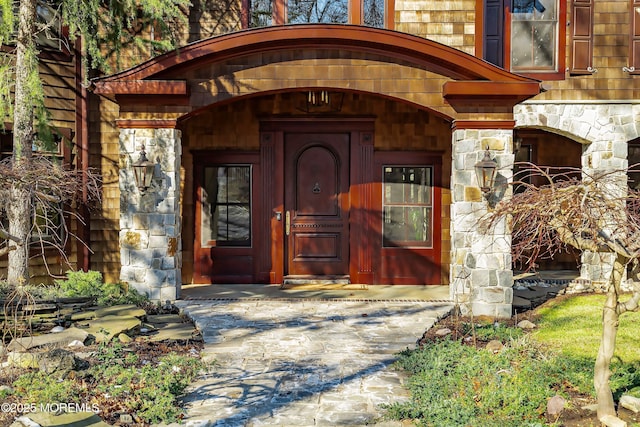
(316, 280)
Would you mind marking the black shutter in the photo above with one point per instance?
(493, 40)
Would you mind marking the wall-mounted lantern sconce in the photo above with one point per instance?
(486, 172)
(143, 171)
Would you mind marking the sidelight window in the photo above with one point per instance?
(407, 206)
(226, 205)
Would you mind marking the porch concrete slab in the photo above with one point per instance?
(297, 361)
(252, 291)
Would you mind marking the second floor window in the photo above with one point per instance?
(318, 11)
(525, 36)
(371, 13)
(534, 28)
(50, 34)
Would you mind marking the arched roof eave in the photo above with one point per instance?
(436, 57)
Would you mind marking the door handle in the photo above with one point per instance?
(287, 223)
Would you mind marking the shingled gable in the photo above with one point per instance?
(474, 82)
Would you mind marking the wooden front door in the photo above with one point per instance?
(316, 179)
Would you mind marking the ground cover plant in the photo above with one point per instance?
(457, 381)
(145, 382)
(140, 379)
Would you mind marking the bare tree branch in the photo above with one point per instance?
(55, 193)
(553, 210)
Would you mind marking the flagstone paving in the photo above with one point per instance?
(303, 362)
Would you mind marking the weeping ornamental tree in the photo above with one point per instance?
(596, 213)
(107, 29)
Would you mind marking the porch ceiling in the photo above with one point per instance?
(471, 84)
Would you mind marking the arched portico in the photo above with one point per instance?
(470, 94)
(604, 131)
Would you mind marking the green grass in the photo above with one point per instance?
(454, 384)
(574, 327)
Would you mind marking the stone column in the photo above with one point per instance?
(481, 275)
(150, 227)
(608, 157)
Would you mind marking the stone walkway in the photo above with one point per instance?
(303, 362)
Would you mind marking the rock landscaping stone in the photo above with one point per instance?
(24, 422)
(526, 324)
(556, 405)
(83, 315)
(60, 362)
(60, 339)
(611, 421)
(443, 332)
(631, 403)
(107, 327)
(129, 310)
(68, 419)
(124, 338)
(173, 331)
(23, 360)
(164, 318)
(494, 346)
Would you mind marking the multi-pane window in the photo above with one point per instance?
(49, 31)
(407, 206)
(264, 13)
(226, 205)
(318, 11)
(261, 13)
(49, 28)
(48, 219)
(528, 36)
(373, 11)
(534, 35)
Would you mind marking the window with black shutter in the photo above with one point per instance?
(525, 36)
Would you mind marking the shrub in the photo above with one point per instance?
(90, 284)
(82, 284)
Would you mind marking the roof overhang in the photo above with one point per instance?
(474, 82)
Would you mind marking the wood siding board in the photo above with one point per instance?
(141, 87)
